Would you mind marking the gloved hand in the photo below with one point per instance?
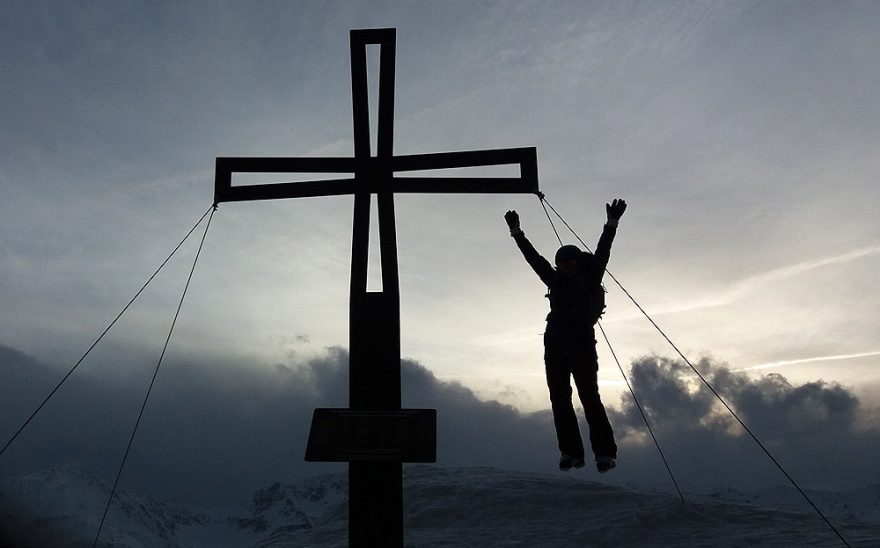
(512, 218)
(615, 211)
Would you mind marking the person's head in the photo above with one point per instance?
(567, 258)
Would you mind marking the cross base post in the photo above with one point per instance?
(375, 504)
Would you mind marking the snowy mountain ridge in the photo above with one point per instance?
(444, 507)
(66, 505)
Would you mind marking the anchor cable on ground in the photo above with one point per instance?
(101, 336)
(153, 380)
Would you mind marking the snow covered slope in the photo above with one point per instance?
(445, 507)
(64, 507)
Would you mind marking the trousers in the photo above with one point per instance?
(570, 352)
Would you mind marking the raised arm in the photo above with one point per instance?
(603, 249)
(539, 264)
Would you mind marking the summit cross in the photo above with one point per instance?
(375, 414)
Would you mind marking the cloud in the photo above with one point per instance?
(218, 428)
(819, 431)
(812, 359)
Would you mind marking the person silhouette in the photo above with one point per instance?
(577, 300)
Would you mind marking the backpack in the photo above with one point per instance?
(596, 304)
(592, 306)
(593, 290)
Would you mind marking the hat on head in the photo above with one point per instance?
(567, 253)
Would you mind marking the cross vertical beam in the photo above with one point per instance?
(394, 435)
(375, 507)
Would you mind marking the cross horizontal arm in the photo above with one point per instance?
(462, 185)
(276, 191)
(225, 167)
(376, 175)
(526, 157)
(526, 183)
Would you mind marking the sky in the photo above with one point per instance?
(743, 136)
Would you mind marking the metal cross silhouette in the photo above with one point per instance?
(375, 435)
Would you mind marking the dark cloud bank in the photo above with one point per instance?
(217, 429)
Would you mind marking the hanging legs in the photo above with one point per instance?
(564, 359)
(601, 433)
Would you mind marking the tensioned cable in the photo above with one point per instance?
(153, 380)
(706, 382)
(642, 412)
(94, 344)
(553, 226)
(619, 366)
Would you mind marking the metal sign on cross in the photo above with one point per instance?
(374, 435)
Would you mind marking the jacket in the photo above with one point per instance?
(577, 298)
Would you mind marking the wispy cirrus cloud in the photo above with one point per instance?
(748, 285)
(813, 359)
